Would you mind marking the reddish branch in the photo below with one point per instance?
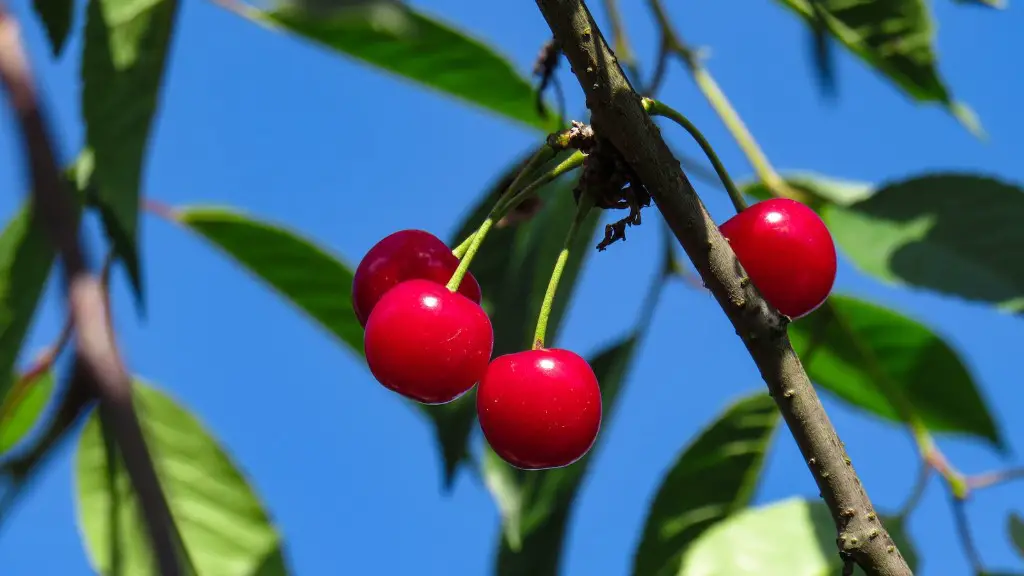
(618, 116)
(102, 372)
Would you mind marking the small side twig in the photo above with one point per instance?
(963, 530)
(101, 368)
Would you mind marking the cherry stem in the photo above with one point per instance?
(586, 202)
(511, 198)
(656, 108)
(474, 245)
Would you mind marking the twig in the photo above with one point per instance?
(963, 530)
(619, 117)
(96, 353)
(989, 479)
(923, 475)
(620, 40)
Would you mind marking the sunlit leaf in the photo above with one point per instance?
(21, 409)
(221, 520)
(884, 362)
(793, 537)
(26, 258)
(126, 46)
(958, 234)
(714, 477)
(305, 274)
(420, 48)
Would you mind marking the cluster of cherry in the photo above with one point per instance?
(428, 338)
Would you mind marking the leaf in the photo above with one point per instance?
(513, 266)
(714, 477)
(818, 190)
(422, 49)
(895, 37)
(884, 362)
(21, 410)
(1015, 526)
(126, 45)
(218, 514)
(57, 17)
(793, 537)
(956, 234)
(546, 496)
(26, 258)
(305, 274)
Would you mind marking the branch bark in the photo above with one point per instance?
(618, 116)
(98, 369)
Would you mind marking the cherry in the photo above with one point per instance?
(787, 251)
(539, 408)
(427, 343)
(405, 255)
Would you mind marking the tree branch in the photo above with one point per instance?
(618, 116)
(102, 372)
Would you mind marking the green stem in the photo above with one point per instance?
(510, 199)
(474, 245)
(586, 202)
(460, 250)
(659, 109)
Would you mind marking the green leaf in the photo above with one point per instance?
(57, 17)
(546, 497)
(26, 258)
(790, 537)
(422, 49)
(513, 266)
(884, 362)
(896, 37)
(218, 514)
(1015, 526)
(817, 190)
(956, 234)
(307, 275)
(21, 410)
(714, 477)
(126, 45)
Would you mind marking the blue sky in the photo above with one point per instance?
(290, 132)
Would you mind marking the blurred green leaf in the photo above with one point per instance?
(1015, 526)
(818, 190)
(788, 538)
(57, 17)
(21, 410)
(218, 514)
(895, 37)
(513, 267)
(26, 258)
(874, 357)
(545, 497)
(956, 234)
(714, 477)
(126, 46)
(307, 275)
(422, 49)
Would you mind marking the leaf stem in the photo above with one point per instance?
(474, 245)
(511, 199)
(586, 202)
(659, 109)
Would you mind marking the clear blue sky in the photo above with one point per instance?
(291, 132)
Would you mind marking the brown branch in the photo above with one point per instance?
(102, 373)
(617, 115)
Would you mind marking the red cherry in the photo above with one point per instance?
(787, 251)
(427, 343)
(405, 255)
(539, 408)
